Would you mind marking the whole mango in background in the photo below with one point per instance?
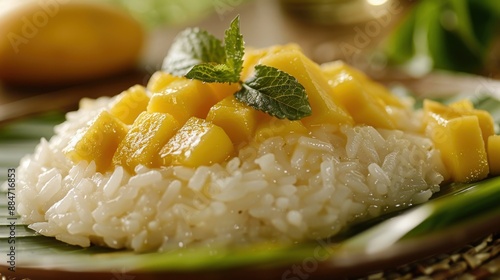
(59, 42)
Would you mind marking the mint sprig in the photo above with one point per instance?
(196, 54)
(276, 93)
(234, 47)
(225, 69)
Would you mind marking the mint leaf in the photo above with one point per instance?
(234, 47)
(275, 92)
(196, 54)
(227, 71)
(192, 47)
(213, 73)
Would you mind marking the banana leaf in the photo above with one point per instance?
(473, 210)
(454, 35)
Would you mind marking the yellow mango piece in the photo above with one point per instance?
(486, 122)
(183, 99)
(463, 104)
(494, 154)
(365, 108)
(250, 59)
(278, 127)
(130, 104)
(336, 71)
(148, 134)
(460, 142)
(253, 56)
(223, 90)
(160, 80)
(198, 142)
(367, 101)
(325, 109)
(237, 119)
(448, 112)
(98, 141)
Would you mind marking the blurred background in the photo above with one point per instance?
(457, 35)
(46, 48)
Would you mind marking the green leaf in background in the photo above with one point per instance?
(461, 21)
(453, 34)
(401, 48)
(276, 93)
(446, 46)
(492, 5)
(191, 47)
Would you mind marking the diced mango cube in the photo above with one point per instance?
(250, 59)
(130, 103)
(183, 99)
(367, 101)
(494, 154)
(198, 142)
(325, 109)
(460, 142)
(486, 122)
(463, 104)
(148, 134)
(223, 90)
(337, 71)
(237, 119)
(160, 80)
(279, 127)
(253, 56)
(365, 108)
(97, 142)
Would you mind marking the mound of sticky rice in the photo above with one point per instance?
(280, 185)
(284, 188)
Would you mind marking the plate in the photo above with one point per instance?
(456, 216)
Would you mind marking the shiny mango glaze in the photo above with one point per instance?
(98, 141)
(177, 121)
(238, 120)
(461, 134)
(365, 100)
(197, 142)
(147, 135)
